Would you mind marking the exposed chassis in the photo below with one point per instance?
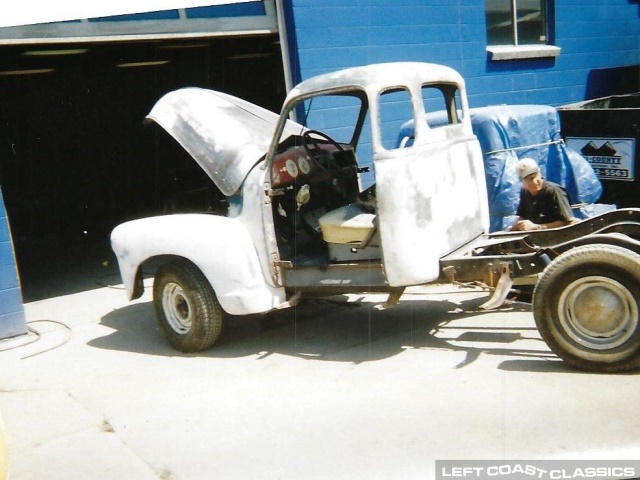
(526, 254)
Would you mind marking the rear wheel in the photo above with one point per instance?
(587, 308)
(186, 307)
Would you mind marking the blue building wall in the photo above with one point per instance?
(594, 36)
(597, 38)
(12, 318)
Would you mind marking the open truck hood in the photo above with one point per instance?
(225, 135)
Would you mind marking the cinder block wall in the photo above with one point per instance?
(12, 317)
(595, 37)
(599, 41)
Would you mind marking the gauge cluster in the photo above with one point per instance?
(295, 164)
(290, 165)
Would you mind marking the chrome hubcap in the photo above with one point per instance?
(598, 312)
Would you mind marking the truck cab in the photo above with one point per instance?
(429, 199)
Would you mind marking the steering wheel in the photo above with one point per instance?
(323, 160)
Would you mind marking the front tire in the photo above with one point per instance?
(186, 307)
(587, 308)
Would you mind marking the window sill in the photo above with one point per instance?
(519, 52)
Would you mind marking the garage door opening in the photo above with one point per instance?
(76, 158)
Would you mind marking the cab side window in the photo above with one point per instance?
(395, 110)
(442, 105)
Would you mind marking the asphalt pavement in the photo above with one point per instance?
(333, 389)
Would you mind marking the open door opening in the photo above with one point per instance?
(76, 159)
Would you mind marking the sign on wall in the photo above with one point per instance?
(611, 158)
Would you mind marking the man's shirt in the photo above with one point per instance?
(549, 205)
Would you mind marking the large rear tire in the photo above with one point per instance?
(186, 307)
(587, 308)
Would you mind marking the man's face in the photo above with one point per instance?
(533, 183)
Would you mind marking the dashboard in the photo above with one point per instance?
(295, 165)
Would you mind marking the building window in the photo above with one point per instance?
(519, 29)
(516, 22)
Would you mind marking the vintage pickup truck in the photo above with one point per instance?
(296, 224)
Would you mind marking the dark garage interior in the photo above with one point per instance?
(76, 158)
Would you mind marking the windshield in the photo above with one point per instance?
(342, 117)
(334, 115)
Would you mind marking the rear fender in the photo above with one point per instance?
(220, 247)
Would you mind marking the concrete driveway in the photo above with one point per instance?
(332, 390)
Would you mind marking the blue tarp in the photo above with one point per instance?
(509, 133)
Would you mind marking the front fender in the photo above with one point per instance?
(220, 247)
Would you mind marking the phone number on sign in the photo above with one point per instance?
(611, 173)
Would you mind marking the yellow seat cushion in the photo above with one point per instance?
(346, 225)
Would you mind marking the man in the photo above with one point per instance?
(543, 204)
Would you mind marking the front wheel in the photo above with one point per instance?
(587, 308)
(186, 307)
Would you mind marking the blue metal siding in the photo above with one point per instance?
(593, 35)
(12, 318)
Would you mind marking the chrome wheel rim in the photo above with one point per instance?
(177, 308)
(598, 312)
